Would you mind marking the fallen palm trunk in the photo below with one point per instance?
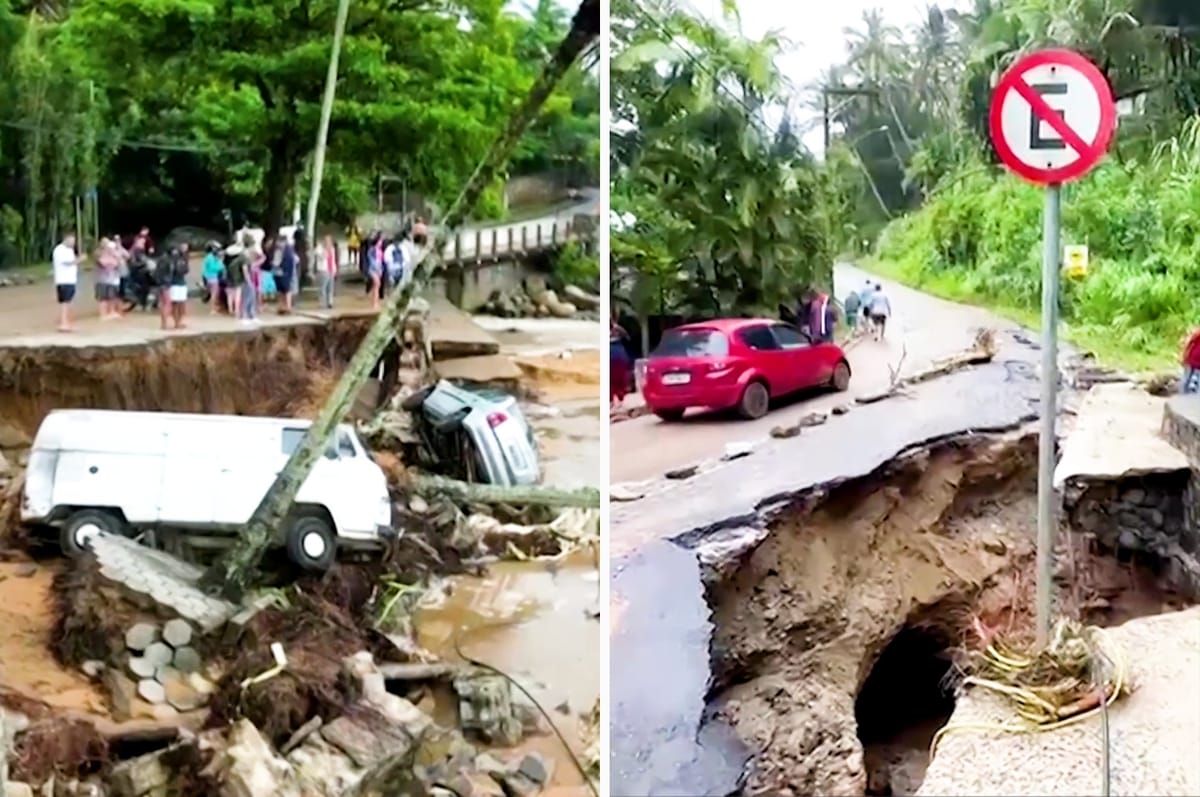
(583, 497)
(233, 572)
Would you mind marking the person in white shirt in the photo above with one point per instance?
(66, 279)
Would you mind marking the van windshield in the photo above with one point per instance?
(692, 343)
(290, 441)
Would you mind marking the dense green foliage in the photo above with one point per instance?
(718, 213)
(176, 109)
(915, 152)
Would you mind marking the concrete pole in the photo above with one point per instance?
(314, 194)
(1051, 252)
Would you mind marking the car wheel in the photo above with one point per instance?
(85, 524)
(312, 543)
(413, 402)
(755, 401)
(670, 416)
(841, 377)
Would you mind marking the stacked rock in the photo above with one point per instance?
(166, 665)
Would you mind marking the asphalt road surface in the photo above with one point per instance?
(924, 329)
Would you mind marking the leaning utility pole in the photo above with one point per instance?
(234, 570)
(318, 172)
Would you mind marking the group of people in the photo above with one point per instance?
(126, 277)
(237, 279)
(240, 278)
(386, 261)
(870, 305)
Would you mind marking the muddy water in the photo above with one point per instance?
(532, 620)
(535, 620)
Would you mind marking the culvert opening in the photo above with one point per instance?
(905, 699)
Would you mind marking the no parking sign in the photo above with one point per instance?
(1052, 120)
(1052, 117)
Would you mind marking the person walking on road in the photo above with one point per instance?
(66, 280)
(620, 365)
(852, 306)
(879, 309)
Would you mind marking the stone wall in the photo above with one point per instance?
(1148, 514)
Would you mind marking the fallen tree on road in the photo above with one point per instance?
(583, 497)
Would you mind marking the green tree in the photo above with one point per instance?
(725, 214)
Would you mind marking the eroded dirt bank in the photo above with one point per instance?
(275, 370)
(831, 648)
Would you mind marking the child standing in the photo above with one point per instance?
(213, 267)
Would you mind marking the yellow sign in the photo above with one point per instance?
(1076, 261)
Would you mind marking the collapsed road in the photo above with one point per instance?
(79, 688)
(752, 600)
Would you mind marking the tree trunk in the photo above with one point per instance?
(234, 571)
(493, 494)
(281, 175)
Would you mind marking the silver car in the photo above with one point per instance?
(502, 446)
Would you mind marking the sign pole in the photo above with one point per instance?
(1051, 250)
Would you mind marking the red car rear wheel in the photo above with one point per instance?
(841, 377)
(755, 401)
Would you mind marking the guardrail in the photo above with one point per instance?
(489, 244)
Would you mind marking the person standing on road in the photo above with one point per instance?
(179, 286)
(236, 276)
(353, 244)
(420, 233)
(252, 261)
(106, 274)
(164, 278)
(213, 268)
(288, 266)
(1190, 383)
(620, 365)
(66, 280)
(822, 319)
(327, 268)
(880, 309)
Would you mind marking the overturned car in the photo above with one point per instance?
(475, 434)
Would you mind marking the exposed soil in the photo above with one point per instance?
(265, 371)
(564, 376)
(832, 637)
(27, 665)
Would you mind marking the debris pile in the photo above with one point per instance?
(535, 300)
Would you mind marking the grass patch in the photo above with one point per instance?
(1108, 348)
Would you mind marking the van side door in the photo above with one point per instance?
(190, 474)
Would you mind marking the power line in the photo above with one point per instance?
(130, 143)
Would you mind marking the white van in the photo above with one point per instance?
(199, 478)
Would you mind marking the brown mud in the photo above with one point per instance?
(833, 637)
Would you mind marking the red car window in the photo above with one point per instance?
(692, 343)
(790, 338)
(758, 338)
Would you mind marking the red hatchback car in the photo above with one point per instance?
(739, 363)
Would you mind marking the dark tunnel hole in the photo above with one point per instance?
(907, 697)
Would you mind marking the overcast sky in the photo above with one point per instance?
(815, 29)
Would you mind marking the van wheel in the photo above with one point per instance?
(755, 401)
(85, 524)
(311, 543)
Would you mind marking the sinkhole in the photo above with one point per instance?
(907, 696)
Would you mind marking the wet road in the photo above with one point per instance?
(659, 745)
(924, 329)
